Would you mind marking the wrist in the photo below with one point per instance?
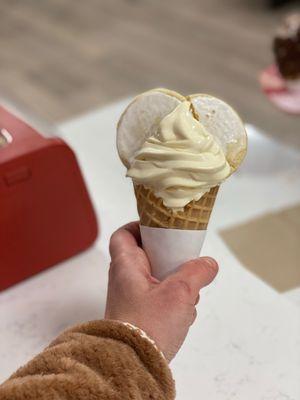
(143, 335)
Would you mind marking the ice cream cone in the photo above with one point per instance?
(153, 213)
(173, 146)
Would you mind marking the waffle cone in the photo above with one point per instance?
(195, 215)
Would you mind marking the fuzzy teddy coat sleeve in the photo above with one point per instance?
(94, 361)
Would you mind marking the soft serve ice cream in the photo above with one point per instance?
(181, 162)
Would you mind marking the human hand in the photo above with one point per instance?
(164, 310)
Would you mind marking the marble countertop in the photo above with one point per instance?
(245, 343)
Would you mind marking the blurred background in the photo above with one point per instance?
(62, 58)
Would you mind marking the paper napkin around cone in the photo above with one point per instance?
(171, 238)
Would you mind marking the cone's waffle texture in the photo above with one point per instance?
(153, 213)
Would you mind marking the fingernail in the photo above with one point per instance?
(210, 261)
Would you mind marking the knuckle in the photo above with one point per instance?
(123, 258)
(180, 289)
(139, 254)
(121, 262)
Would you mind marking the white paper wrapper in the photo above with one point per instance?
(167, 249)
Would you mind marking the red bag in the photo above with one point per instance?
(46, 214)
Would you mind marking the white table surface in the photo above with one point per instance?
(245, 343)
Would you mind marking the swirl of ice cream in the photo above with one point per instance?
(181, 162)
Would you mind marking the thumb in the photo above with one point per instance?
(195, 274)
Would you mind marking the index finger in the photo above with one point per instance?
(126, 238)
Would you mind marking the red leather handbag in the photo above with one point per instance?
(46, 214)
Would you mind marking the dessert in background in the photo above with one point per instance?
(286, 48)
(281, 80)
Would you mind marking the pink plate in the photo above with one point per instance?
(274, 86)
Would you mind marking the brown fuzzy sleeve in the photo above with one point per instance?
(94, 361)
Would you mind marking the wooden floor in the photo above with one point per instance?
(64, 57)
